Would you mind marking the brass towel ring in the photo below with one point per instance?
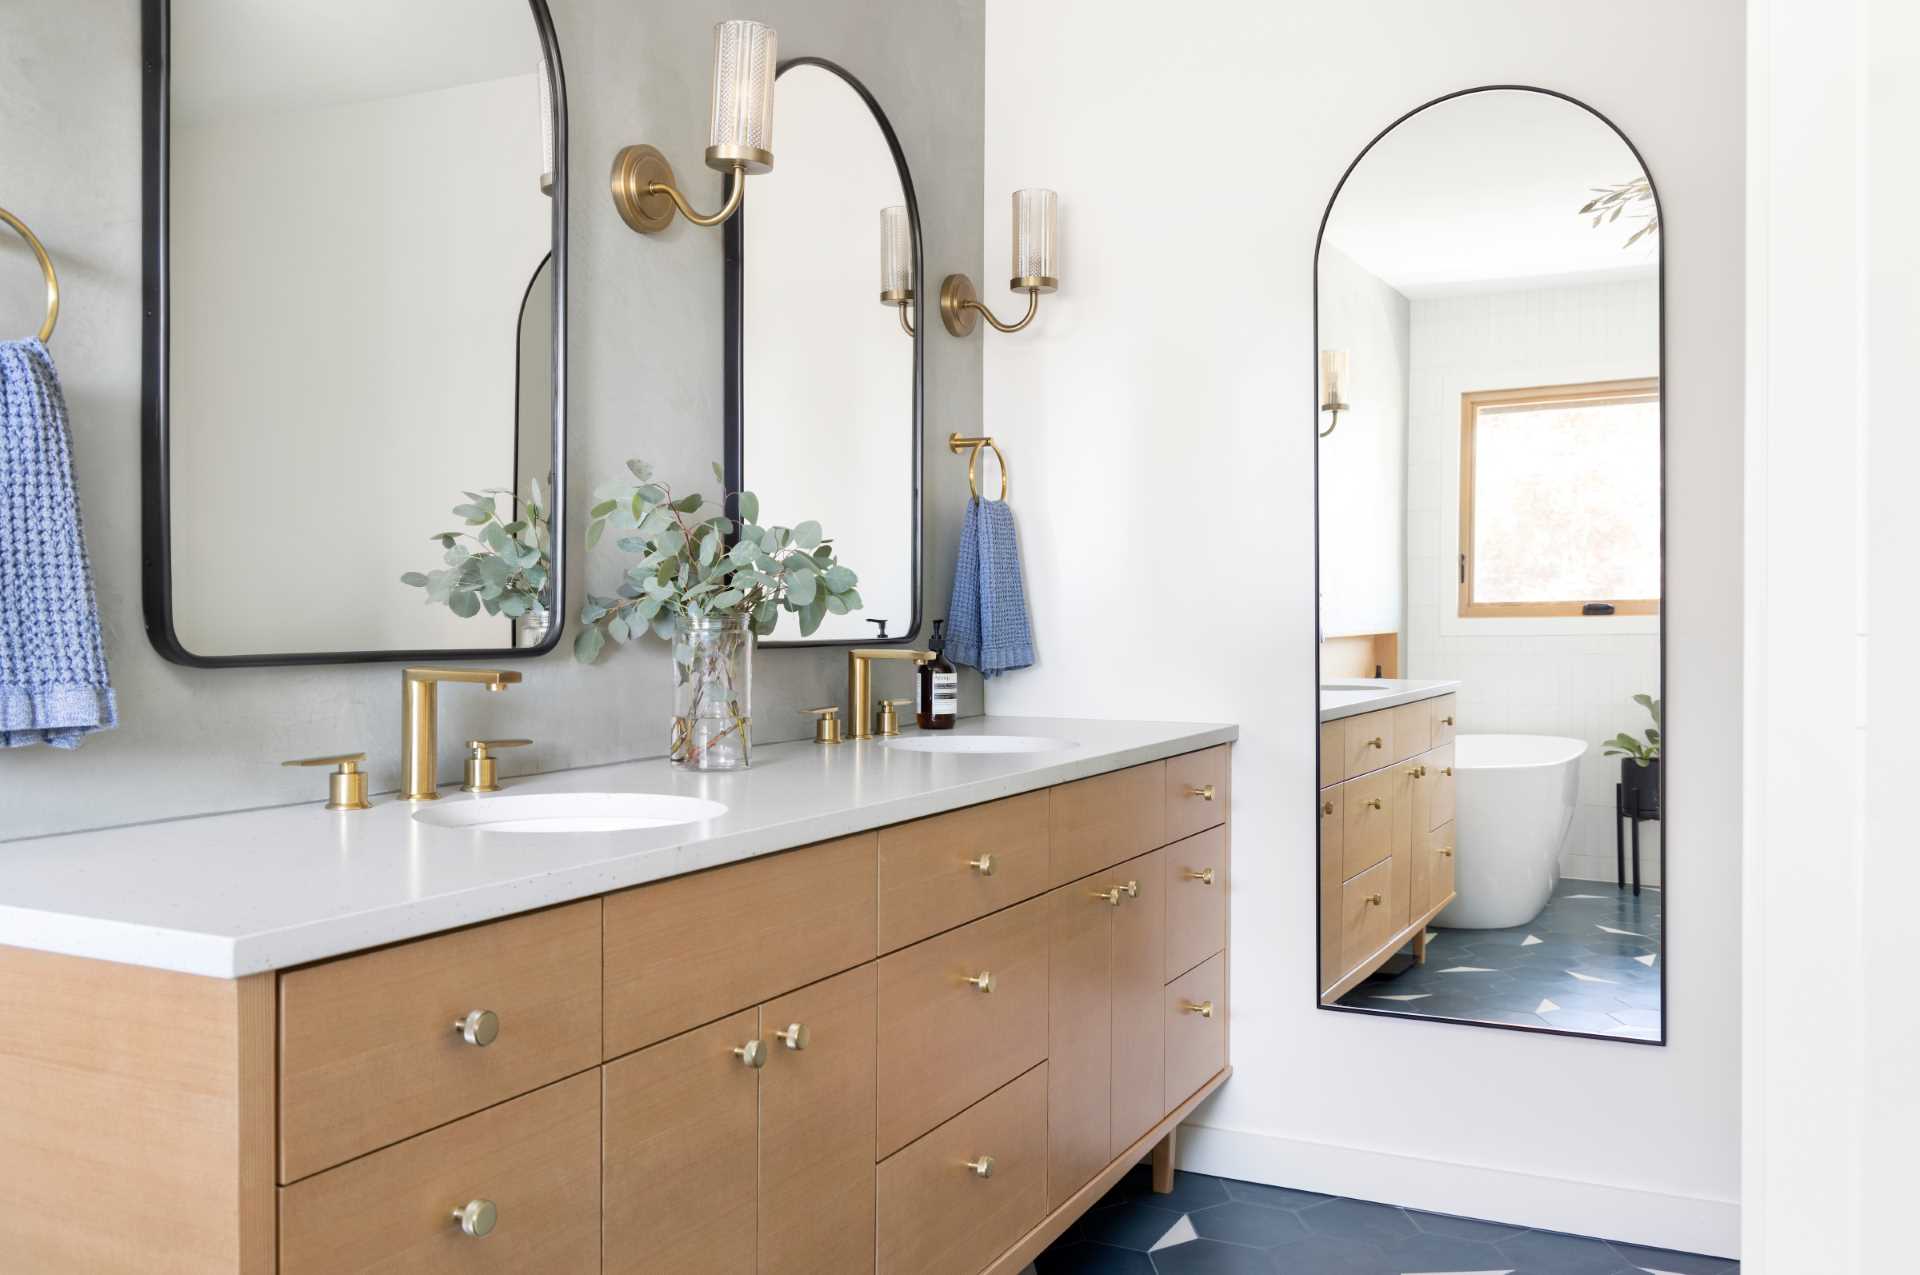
(46, 268)
(957, 443)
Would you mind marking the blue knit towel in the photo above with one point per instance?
(987, 625)
(53, 670)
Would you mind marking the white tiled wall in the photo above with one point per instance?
(1560, 677)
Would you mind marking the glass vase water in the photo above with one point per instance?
(712, 693)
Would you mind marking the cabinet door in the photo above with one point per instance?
(816, 1129)
(1139, 1012)
(1332, 825)
(1439, 765)
(1443, 724)
(1369, 741)
(1440, 864)
(1366, 906)
(1333, 753)
(1372, 816)
(1196, 1009)
(1408, 792)
(679, 1156)
(1412, 729)
(1080, 1037)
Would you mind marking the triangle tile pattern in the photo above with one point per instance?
(1180, 1232)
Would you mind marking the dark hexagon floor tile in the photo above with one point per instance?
(1136, 1226)
(1661, 1259)
(1093, 1259)
(1190, 1191)
(1210, 1257)
(1322, 1255)
(1442, 1253)
(1546, 1253)
(1250, 1224)
(1463, 1228)
(1273, 1197)
(1358, 1220)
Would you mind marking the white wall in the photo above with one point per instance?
(1831, 1110)
(1572, 677)
(1363, 463)
(1159, 416)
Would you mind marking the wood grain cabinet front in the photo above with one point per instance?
(1197, 793)
(378, 1047)
(1368, 742)
(959, 1197)
(1107, 819)
(1366, 912)
(1197, 883)
(1196, 1018)
(1439, 764)
(945, 871)
(1444, 709)
(513, 1189)
(683, 951)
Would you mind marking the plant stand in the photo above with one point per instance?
(1633, 817)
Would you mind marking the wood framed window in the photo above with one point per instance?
(1560, 500)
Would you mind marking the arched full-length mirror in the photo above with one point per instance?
(824, 376)
(1490, 570)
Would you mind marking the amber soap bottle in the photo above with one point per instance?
(939, 686)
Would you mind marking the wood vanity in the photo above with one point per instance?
(1386, 836)
(923, 1049)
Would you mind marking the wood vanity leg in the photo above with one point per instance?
(1163, 1164)
(1420, 947)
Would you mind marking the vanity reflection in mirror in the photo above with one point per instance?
(1490, 511)
(824, 346)
(355, 220)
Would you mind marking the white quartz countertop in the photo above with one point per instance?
(1348, 697)
(235, 894)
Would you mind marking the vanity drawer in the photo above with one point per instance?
(1196, 1038)
(1366, 914)
(944, 1043)
(1332, 873)
(1367, 741)
(1412, 729)
(1370, 809)
(1443, 715)
(1333, 752)
(1107, 819)
(937, 1215)
(369, 1053)
(1439, 786)
(1440, 857)
(945, 871)
(684, 951)
(1196, 900)
(537, 1159)
(1197, 791)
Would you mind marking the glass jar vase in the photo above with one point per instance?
(712, 693)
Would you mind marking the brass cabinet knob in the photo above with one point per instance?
(753, 1053)
(1447, 771)
(795, 1037)
(1326, 808)
(1418, 772)
(984, 980)
(1132, 889)
(1377, 742)
(1204, 792)
(983, 865)
(477, 1218)
(1202, 1008)
(479, 1027)
(1375, 899)
(347, 785)
(1204, 876)
(1447, 720)
(1374, 803)
(983, 1167)
(826, 724)
(1447, 850)
(1109, 896)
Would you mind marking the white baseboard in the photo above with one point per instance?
(1656, 1219)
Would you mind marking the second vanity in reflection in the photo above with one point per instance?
(922, 1048)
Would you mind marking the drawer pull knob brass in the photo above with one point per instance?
(1375, 900)
(1204, 792)
(1202, 1008)
(983, 865)
(1447, 771)
(795, 1037)
(1132, 888)
(1447, 850)
(983, 1167)
(1373, 803)
(983, 980)
(481, 1027)
(753, 1053)
(1204, 876)
(1326, 808)
(477, 1218)
(1376, 742)
(1109, 896)
(1447, 720)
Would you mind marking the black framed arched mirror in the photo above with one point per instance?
(1490, 512)
(824, 383)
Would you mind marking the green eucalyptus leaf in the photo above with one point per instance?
(749, 507)
(807, 535)
(852, 598)
(415, 579)
(640, 469)
(663, 626)
(514, 605)
(617, 628)
(648, 608)
(836, 604)
(810, 617)
(594, 532)
(719, 474)
(839, 579)
(587, 644)
(687, 504)
(801, 588)
(464, 605)
(729, 598)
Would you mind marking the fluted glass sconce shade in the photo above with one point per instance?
(745, 59)
(1333, 386)
(546, 126)
(896, 256)
(1036, 240)
(739, 135)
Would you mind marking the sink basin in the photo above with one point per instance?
(569, 812)
(978, 744)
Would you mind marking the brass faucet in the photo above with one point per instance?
(420, 722)
(860, 683)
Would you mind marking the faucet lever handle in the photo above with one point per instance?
(347, 785)
(347, 762)
(480, 747)
(826, 724)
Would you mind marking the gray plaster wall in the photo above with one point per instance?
(645, 317)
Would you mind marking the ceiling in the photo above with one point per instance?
(234, 56)
(1483, 192)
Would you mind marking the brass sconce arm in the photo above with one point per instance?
(959, 304)
(1033, 308)
(736, 187)
(647, 196)
(1333, 422)
(906, 317)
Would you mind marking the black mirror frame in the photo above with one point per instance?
(155, 508)
(734, 285)
(1313, 421)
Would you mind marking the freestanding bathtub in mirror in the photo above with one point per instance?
(1490, 510)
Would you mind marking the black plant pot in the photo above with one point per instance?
(1640, 788)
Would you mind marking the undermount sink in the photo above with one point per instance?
(570, 812)
(978, 744)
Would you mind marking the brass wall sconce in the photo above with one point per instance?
(1035, 266)
(1333, 387)
(896, 263)
(739, 135)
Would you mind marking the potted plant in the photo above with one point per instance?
(1639, 765)
(708, 583)
(502, 564)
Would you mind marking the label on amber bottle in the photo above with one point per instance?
(946, 694)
